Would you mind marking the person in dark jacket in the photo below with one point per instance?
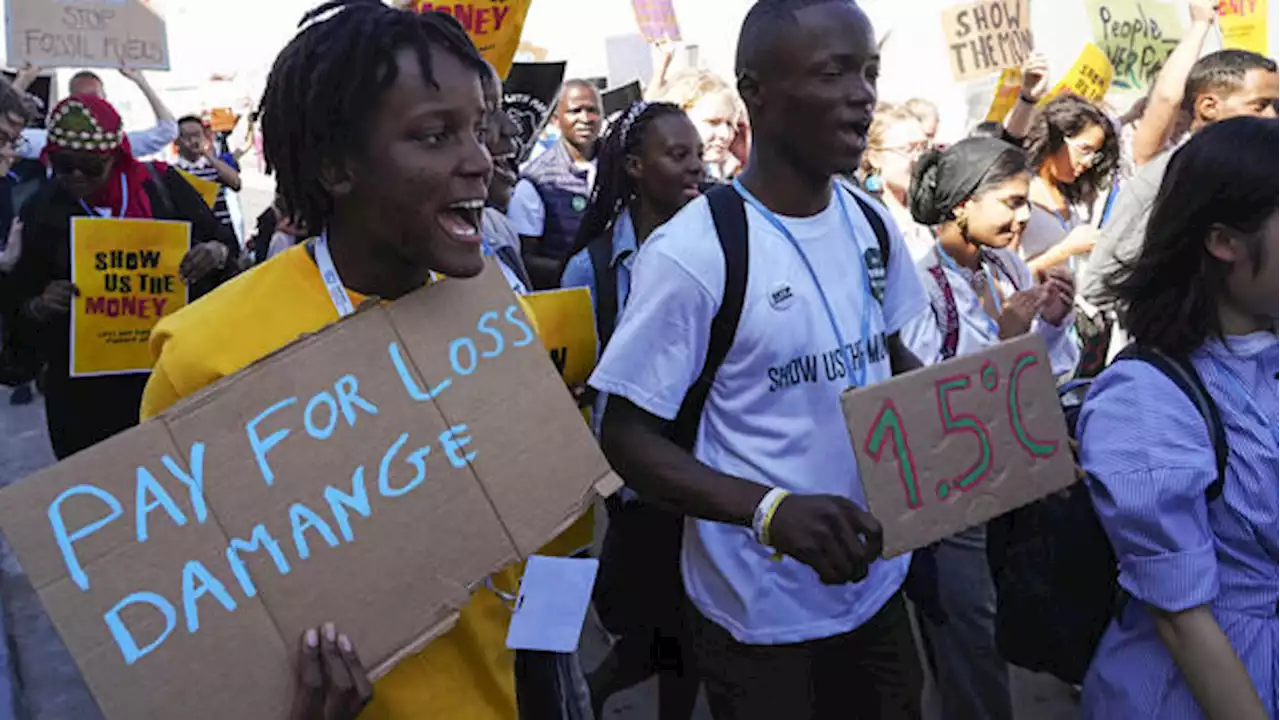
(95, 175)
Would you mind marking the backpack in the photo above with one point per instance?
(1054, 569)
(638, 586)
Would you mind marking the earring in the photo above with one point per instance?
(874, 183)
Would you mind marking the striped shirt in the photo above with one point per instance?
(1151, 461)
(205, 170)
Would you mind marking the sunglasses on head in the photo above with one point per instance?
(88, 165)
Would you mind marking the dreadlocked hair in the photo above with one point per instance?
(320, 97)
(614, 187)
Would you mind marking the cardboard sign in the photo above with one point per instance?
(567, 326)
(127, 274)
(953, 445)
(1007, 90)
(1244, 25)
(87, 33)
(1090, 77)
(986, 37)
(1137, 37)
(528, 95)
(657, 20)
(371, 474)
(208, 189)
(493, 25)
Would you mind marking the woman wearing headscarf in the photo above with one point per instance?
(974, 195)
(96, 175)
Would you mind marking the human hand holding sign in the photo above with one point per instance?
(331, 683)
(1035, 77)
(54, 301)
(201, 260)
(1203, 11)
(829, 533)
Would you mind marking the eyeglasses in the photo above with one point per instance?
(88, 165)
(1086, 156)
(910, 152)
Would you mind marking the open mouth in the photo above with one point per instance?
(504, 166)
(462, 219)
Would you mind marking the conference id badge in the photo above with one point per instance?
(552, 604)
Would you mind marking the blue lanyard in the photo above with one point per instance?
(859, 380)
(950, 263)
(124, 200)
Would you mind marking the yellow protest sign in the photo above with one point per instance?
(567, 325)
(493, 25)
(1007, 89)
(1244, 25)
(1090, 77)
(127, 274)
(207, 188)
(1136, 36)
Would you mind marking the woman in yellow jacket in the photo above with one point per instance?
(373, 123)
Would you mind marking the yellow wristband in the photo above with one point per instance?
(766, 520)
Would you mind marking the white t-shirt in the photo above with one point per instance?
(773, 415)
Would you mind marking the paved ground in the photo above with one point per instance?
(53, 690)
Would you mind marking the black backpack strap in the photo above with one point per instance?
(600, 251)
(162, 190)
(877, 226)
(729, 212)
(1184, 375)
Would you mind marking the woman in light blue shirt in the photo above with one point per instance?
(974, 195)
(1198, 634)
(650, 167)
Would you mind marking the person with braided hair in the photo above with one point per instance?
(373, 121)
(650, 167)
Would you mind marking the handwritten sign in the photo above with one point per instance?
(1007, 90)
(371, 474)
(1090, 77)
(87, 33)
(1137, 37)
(1244, 25)
(127, 274)
(493, 25)
(657, 20)
(956, 444)
(986, 37)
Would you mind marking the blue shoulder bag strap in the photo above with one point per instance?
(729, 213)
(600, 251)
(1184, 375)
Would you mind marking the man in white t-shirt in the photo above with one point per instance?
(821, 631)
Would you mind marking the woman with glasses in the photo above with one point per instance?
(895, 140)
(1072, 151)
(96, 175)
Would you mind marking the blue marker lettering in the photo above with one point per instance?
(410, 384)
(209, 585)
(415, 458)
(302, 518)
(260, 446)
(339, 502)
(498, 343)
(65, 541)
(258, 540)
(514, 319)
(453, 440)
(453, 355)
(349, 398)
(147, 485)
(124, 639)
(194, 481)
(308, 420)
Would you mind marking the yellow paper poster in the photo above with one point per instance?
(1007, 89)
(494, 25)
(1244, 25)
(1090, 77)
(1136, 36)
(567, 325)
(207, 188)
(127, 275)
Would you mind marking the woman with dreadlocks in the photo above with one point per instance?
(650, 167)
(373, 121)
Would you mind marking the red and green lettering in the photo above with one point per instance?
(889, 424)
